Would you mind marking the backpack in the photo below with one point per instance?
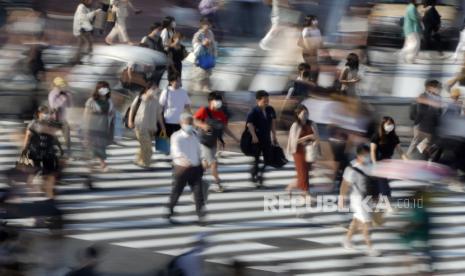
(128, 111)
(247, 147)
(274, 156)
(209, 138)
(370, 184)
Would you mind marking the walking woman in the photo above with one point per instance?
(168, 30)
(41, 145)
(349, 76)
(177, 53)
(204, 45)
(382, 146)
(302, 133)
(99, 122)
(121, 9)
(144, 120)
(310, 41)
(82, 28)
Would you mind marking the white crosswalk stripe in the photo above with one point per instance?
(127, 207)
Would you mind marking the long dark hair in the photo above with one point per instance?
(297, 111)
(308, 20)
(382, 133)
(352, 61)
(99, 85)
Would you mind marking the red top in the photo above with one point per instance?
(219, 115)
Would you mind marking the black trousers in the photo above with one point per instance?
(191, 176)
(171, 128)
(432, 40)
(257, 171)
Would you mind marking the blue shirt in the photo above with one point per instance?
(261, 122)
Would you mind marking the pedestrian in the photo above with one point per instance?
(412, 33)
(41, 146)
(153, 39)
(59, 100)
(177, 53)
(432, 26)
(174, 101)
(461, 45)
(82, 28)
(205, 50)
(144, 114)
(212, 122)
(261, 123)
(303, 132)
(277, 22)
(454, 107)
(354, 179)
(311, 41)
(168, 30)
(99, 122)
(349, 76)
(425, 113)
(458, 81)
(383, 144)
(187, 167)
(301, 86)
(120, 8)
(210, 9)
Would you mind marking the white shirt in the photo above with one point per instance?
(166, 37)
(82, 18)
(185, 148)
(174, 102)
(355, 178)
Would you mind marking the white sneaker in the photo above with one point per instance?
(373, 253)
(347, 244)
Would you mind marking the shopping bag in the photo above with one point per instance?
(162, 143)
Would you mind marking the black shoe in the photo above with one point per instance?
(202, 221)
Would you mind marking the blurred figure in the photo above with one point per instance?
(88, 262)
(461, 45)
(458, 80)
(212, 122)
(187, 167)
(302, 132)
(412, 33)
(59, 100)
(177, 53)
(310, 42)
(425, 114)
(82, 28)
(205, 50)
(355, 178)
(99, 122)
(277, 20)
(432, 25)
(35, 62)
(144, 114)
(153, 39)
(168, 30)
(261, 123)
(174, 101)
(41, 145)
(417, 233)
(349, 77)
(209, 9)
(301, 87)
(120, 7)
(454, 107)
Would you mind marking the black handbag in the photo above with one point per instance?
(274, 156)
(247, 147)
(209, 138)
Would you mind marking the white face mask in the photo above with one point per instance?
(189, 129)
(173, 24)
(103, 91)
(218, 104)
(388, 128)
(315, 22)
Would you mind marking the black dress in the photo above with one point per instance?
(177, 55)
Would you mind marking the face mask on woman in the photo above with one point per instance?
(388, 128)
(103, 91)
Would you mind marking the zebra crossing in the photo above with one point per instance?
(126, 208)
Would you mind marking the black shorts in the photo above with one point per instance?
(47, 165)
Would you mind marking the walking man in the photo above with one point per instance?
(412, 31)
(187, 167)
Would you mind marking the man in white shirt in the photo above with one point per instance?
(174, 101)
(187, 166)
(355, 179)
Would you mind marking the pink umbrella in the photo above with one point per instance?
(411, 170)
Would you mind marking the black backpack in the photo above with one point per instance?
(128, 110)
(370, 184)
